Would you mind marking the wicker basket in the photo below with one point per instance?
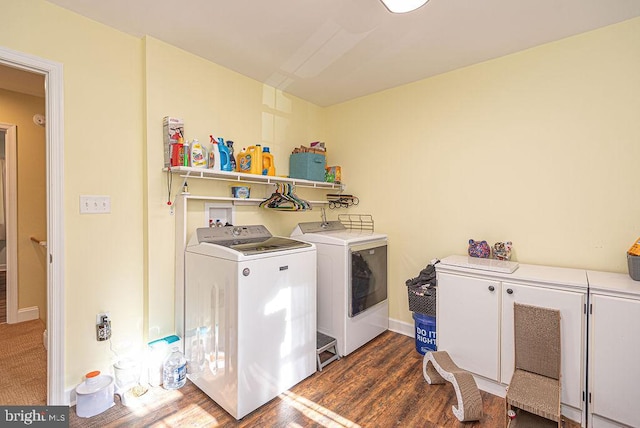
(422, 301)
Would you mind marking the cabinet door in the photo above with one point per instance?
(467, 323)
(614, 349)
(572, 336)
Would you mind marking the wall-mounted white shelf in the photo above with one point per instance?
(240, 177)
(239, 201)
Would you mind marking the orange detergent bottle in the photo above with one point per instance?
(254, 154)
(268, 166)
(243, 161)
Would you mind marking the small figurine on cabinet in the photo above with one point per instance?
(502, 250)
(479, 249)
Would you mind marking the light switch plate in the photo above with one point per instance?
(95, 204)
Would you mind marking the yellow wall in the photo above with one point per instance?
(211, 100)
(539, 147)
(18, 109)
(103, 140)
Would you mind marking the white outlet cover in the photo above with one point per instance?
(100, 315)
(95, 204)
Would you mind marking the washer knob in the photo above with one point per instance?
(237, 231)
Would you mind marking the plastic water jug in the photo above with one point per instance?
(268, 166)
(174, 370)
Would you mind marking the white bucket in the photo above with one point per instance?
(94, 395)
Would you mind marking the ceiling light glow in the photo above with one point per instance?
(403, 6)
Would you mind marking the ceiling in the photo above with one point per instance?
(330, 51)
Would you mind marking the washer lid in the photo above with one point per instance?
(228, 235)
(269, 245)
(246, 240)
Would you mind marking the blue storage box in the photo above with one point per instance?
(309, 166)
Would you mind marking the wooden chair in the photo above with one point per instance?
(535, 388)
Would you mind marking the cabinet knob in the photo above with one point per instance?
(491, 288)
(509, 291)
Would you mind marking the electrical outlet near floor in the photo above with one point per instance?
(103, 326)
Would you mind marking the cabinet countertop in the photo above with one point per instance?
(534, 274)
(612, 282)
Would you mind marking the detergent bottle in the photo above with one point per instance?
(185, 152)
(268, 167)
(243, 163)
(198, 154)
(255, 159)
(214, 155)
(232, 159)
(225, 161)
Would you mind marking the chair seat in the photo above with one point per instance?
(536, 394)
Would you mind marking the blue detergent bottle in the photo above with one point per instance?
(232, 158)
(225, 157)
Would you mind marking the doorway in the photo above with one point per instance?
(8, 223)
(53, 77)
(3, 241)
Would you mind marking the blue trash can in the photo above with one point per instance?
(425, 333)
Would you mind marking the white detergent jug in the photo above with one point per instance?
(94, 395)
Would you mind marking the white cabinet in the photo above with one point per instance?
(572, 324)
(475, 322)
(467, 323)
(614, 347)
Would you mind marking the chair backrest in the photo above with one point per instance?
(537, 340)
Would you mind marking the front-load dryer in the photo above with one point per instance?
(352, 282)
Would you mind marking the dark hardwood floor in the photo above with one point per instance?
(379, 385)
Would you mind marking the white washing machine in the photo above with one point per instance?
(250, 315)
(352, 282)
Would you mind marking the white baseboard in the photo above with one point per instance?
(70, 396)
(28, 314)
(402, 327)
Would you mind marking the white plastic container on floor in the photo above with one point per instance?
(94, 395)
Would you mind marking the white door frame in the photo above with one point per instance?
(52, 72)
(11, 220)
